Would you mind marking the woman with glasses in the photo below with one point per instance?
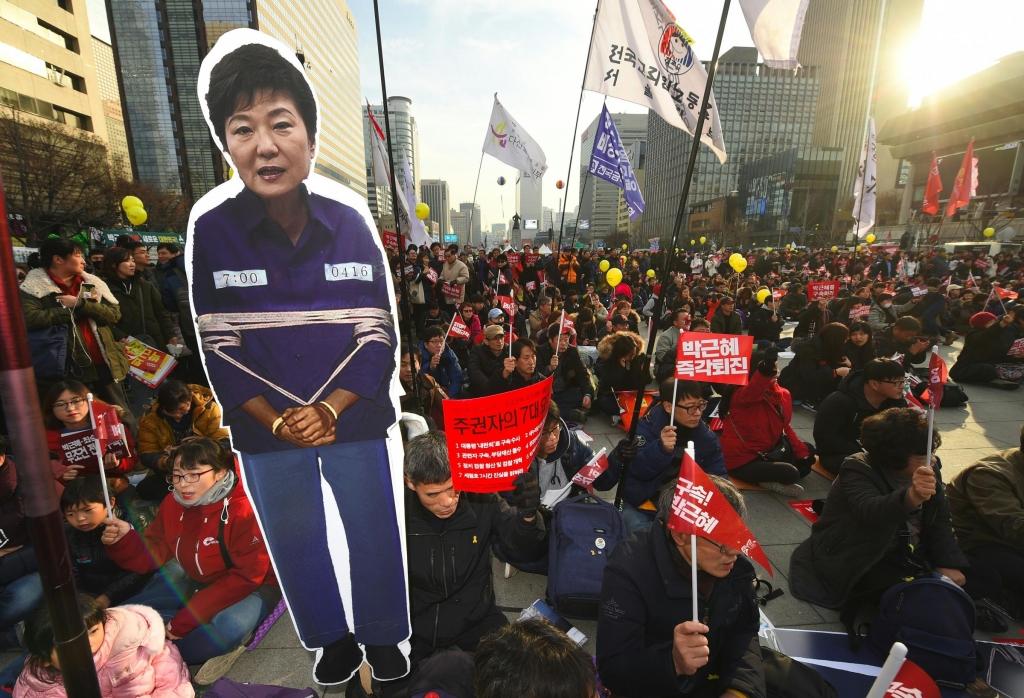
(215, 583)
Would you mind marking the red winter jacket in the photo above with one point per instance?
(189, 535)
(754, 411)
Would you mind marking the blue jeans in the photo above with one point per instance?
(19, 598)
(636, 519)
(568, 400)
(226, 631)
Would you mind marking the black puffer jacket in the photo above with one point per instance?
(95, 573)
(837, 423)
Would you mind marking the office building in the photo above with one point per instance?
(839, 39)
(637, 155)
(530, 207)
(460, 226)
(405, 141)
(498, 228)
(600, 200)
(434, 193)
(716, 220)
(324, 36)
(762, 110)
(110, 93)
(475, 220)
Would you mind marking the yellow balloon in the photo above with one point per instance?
(788, 246)
(613, 277)
(231, 173)
(870, 238)
(762, 295)
(603, 266)
(136, 215)
(625, 247)
(768, 249)
(131, 202)
(835, 248)
(651, 274)
(989, 232)
(422, 211)
(703, 240)
(858, 248)
(738, 264)
(677, 250)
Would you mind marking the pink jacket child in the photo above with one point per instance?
(135, 660)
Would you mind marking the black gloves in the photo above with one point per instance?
(626, 450)
(769, 363)
(526, 495)
(804, 462)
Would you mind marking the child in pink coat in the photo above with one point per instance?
(133, 657)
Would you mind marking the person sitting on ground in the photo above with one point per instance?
(886, 518)
(495, 317)
(22, 589)
(793, 303)
(666, 347)
(860, 349)
(811, 321)
(660, 449)
(486, 360)
(758, 441)
(820, 363)
(180, 411)
(440, 363)
(431, 398)
(861, 394)
(463, 347)
(618, 356)
(435, 317)
(649, 644)
(455, 607)
(539, 317)
(613, 324)
(586, 328)
(726, 320)
(129, 646)
(902, 337)
(518, 370)
(985, 358)
(573, 387)
(213, 600)
(766, 324)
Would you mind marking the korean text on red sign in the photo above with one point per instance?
(492, 440)
(817, 290)
(714, 358)
(451, 290)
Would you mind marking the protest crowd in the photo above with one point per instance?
(474, 324)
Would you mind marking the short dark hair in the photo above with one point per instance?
(520, 344)
(690, 389)
(193, 454)
(239, 75)
(426, 459)
(699, 322)
(172, 393)
(907, 323)
(113, 258)
(454, 249)
(431, 332)
(882, 370)
(892, 436)
(40, 640)
(169, 246)
(554, 415)
(532, 658)
(132, 246)
(81, 491)
(861, 326)
(57, 247)
(680, 311)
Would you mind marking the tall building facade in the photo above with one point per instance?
(475, 223)
(839, 38)
(763, 111)
(405, 140)
(600, 201)
(460, 225)
(530, 207)
(110, 93)
(434, 193)
(324, 35)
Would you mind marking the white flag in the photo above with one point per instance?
(775, 27)
(639, 54)
(507, 141)
(864, 191)
(381, 173)
(417, 231)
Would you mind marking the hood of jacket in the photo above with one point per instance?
(201, 397)
(604, 347)
(127, 627)
(38, 284)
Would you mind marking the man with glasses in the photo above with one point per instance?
(660, 447)
(879, 386)
(648, 643)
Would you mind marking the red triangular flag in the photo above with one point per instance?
(937, 376)
(591, 471)
(961, 194)
(932, 189)
(700, 508)
(1004, 293)
(912, 682)
(109, 432)
(508, 304)
(458, 329)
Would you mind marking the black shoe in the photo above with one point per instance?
(1003, 385)
(386, 662)
(989, 621)
(337, 662)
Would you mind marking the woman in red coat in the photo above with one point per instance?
(758, 442)
(215, 583)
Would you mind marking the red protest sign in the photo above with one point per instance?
(919, 291)
(804, 508)
(77, 448)
(714, 358)
(591, 471)
(912, 682)
(937, 376)
(699, 508)
(981, 263)
(431, 274)
(531, 259)
(390, 239)
(816, 290)
(531, 285)
(451, 290)
(777, 294)
(458, 329)
(508, 304)
(513, 258)
(492, 440)
(1017, 348)
(860, 311)
(408, 271)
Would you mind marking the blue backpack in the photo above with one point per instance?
(49, 350)
(935, 619)
(584, 531)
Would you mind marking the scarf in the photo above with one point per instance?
(219, 491)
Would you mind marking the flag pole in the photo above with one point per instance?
(693, 538)
(575, 128)
(394, 204)
(931, 418)
(99, 457)
(472, 210)
(892, 666)
(871, 97)
(669, 261)
(35, 482)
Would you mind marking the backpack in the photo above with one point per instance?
(953, 394)
(584, 531)
(49, 350)
(940, 643)
(226, 688)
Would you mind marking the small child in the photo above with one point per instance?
(133, 657)
(95, 573)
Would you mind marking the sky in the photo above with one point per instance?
(450, 57)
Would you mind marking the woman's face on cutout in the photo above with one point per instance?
(269, 145)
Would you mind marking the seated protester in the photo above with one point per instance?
(463, 347)
(758, 441)
(454, 606)
(859, 347)
(435, 317)
(180, 411)
(726, 320)
(539, 318)
(811, 321)
(985, 358)
(95, 573)
(494, 317)
(876, 388)
(213, 600)
(573, 387)
(666, 347)
(431, 397)
(660, 450)
(22, 589)
(613, 324)
(130, 648)
(886, 518)
(616, 369)
(517, 371)
(486, 360)
(765, 326)
(986, 500)
(884, 313)
(440, 363)
(970, 305)
(623, 308)
(793, 303)
(902, 337)
(820, 363)
(499, 278)
(648, 643)
(586, 328)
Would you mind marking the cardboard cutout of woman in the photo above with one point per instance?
(294, 309)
